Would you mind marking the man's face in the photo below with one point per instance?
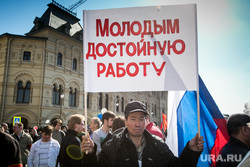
(136, 123)
(110, 122)
(17, 129)
(33, 132)
(80, 127)
(46, 137)
(5, 126)
(92, 125)
(247, 135)
(58, 126)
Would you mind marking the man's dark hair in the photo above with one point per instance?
(108, 114)
(57, 121)
(235, 122)
(47, 129)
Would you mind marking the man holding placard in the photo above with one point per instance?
(136, 146)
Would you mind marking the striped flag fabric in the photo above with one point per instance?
(183, 126)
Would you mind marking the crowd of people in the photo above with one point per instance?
(129, 140)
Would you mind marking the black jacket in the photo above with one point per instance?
(232, 153)
(10, 152)
(121, 152)
(70, 154)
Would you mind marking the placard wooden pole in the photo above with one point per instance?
(86, 116)
(198, 111)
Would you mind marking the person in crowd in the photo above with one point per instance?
(64, 128)
(27, 131)
(44, 152)
(1, 129)
(94, 124)
(34, 135)
(118, 123)
(135, 146)
(24, 139)
(153, 129)
(117, 127)
(5, 127)
(10, 151)
(100, 134)
(70, 152)
(238, 128)
(58, 134)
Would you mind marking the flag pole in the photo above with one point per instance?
(85, 114)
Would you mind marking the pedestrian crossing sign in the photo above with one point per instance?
(16, 120)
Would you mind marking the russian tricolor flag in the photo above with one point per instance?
(183, 126)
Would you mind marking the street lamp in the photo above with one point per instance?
(61, 96)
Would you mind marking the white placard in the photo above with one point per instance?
(140, 49)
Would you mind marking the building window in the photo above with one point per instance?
(23, 93)
(88, 101)
(26, 55)
(56, 95)
(100, 101)
(155, 110)
(59, 59)
(117, 104)
(74, 64)
(122, 104)
(107, 101)
(72, 97)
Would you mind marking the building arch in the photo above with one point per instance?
(23, 113)
(28, 46)
(59, 80)
(56, 114)
(74, 84)
(24, 76)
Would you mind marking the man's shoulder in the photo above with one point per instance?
(99, 132)
(156, 141)
(55, 142)
(26, 135)
(62, 132)
(115, 141)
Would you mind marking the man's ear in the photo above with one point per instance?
(244, 130)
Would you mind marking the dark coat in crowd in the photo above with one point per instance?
(232, 153)
(120, 151)
(9, 151)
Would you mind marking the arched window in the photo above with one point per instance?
(100, 101)
(23, 93)
(72, 97)
(56, 95)
(74, 64)
(107, 101)
(59, 59)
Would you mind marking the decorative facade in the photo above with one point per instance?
(41, 75)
